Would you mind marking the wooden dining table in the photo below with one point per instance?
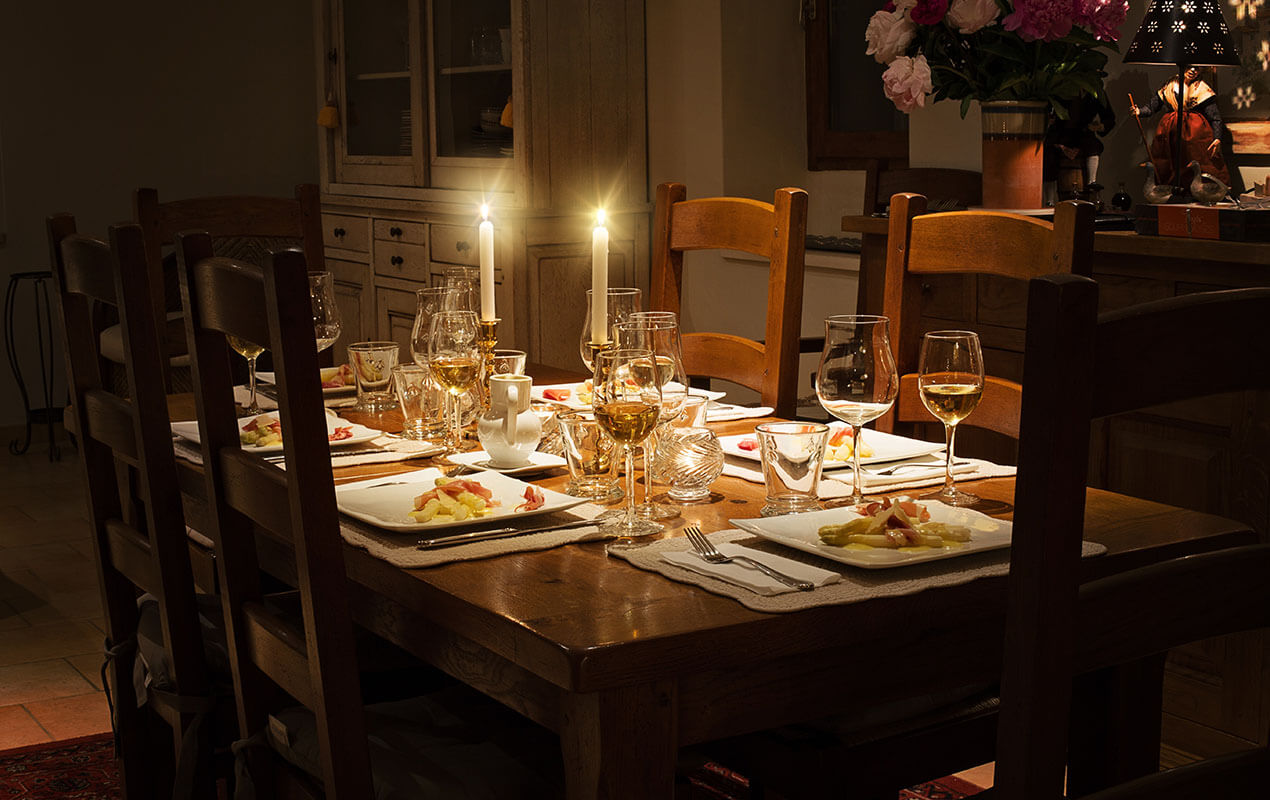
(628, 666)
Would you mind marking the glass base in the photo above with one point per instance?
(781, 509)
(375, 402)
(648, 510)
(686, 497)
(952, 496)
(599, 492)
(628, 534)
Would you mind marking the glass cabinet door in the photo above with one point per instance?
(471, 73)
(379, 139)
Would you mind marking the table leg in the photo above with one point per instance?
(621, 743)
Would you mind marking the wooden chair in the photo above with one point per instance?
(987, 243)
(1080, 367)
(776, 231)
(307, 653)
(134, 503)
(245, 227)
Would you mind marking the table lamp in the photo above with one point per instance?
(1184, 33)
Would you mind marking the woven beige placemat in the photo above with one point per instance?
(399, 548)
(856, 585)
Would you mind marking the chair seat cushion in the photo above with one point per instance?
(153, 668)
(111, 341)
(453, 743)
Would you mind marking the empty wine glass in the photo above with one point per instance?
(627, 404)
(950, 381)
(428, 301)
(621, 303)
(326, 314)
(657, 332)
(454, 358)
(857, 380)
(250, 351)
(465, 281)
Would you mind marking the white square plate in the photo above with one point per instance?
(189, 430)
(327, 391)
(538, 462)
(800, 531)
(572, 401)
(886, 447)
(387, 502)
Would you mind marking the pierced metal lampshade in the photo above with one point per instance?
(1190, 32)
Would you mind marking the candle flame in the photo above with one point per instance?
(484, 210)
(599, 217)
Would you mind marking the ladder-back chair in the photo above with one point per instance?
(776, 231)
(139, 540)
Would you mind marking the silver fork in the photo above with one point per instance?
(708, 552)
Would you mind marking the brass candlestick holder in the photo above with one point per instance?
(487, 341)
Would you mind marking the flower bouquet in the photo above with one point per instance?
(1052, 51)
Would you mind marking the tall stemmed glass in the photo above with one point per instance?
(657, 332)
(326, 314)
(627, 403)
(950, 380)
(857, 380)
(428, 301)
(250, 351)
(454, 358)
(621, 304)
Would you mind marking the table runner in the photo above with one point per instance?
(857, 585)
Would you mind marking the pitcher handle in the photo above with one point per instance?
(509, 418)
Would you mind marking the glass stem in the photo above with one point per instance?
(455, 426)
(630, 487)
(950, 433)
(648, 471)
(857, 482)
(251, 384)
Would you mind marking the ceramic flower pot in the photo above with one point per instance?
(1013, 150)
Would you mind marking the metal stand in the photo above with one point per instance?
(44, 341)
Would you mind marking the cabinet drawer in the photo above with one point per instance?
(391, 230)
(346, 232)
(455, 244)
(408, 261)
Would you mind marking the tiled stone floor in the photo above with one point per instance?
(51, 628)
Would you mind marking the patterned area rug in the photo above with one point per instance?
(73, 769)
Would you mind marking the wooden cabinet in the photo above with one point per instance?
(356, 301)
(491, 102)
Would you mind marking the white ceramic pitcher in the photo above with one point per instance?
(509, 431)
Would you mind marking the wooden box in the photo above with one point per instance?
(1192, 221)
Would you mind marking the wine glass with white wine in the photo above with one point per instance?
(250, 351)
(454, 358)
(857, 380)
(627, 403)
(950, 381)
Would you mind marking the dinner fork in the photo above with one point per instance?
(704, 548)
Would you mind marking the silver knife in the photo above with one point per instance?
(497, 533)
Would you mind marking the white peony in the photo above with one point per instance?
(968, 16)
(889, 34)
(907, 82)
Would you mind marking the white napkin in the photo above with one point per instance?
(725, 412)
(838, 482)
(749, 577)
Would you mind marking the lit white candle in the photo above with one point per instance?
(485, 248)
(600, 280)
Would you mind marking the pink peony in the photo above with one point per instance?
(968, 16)
(889, 34)
(929, 12)
(1102, 17)
(907, 82)
(1041, 19)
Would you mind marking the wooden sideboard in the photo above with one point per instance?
(1212, 456)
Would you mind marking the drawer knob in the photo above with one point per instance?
(927, 289)
(396, 261)
(461, 246)
(339, 233)
(394, 231)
